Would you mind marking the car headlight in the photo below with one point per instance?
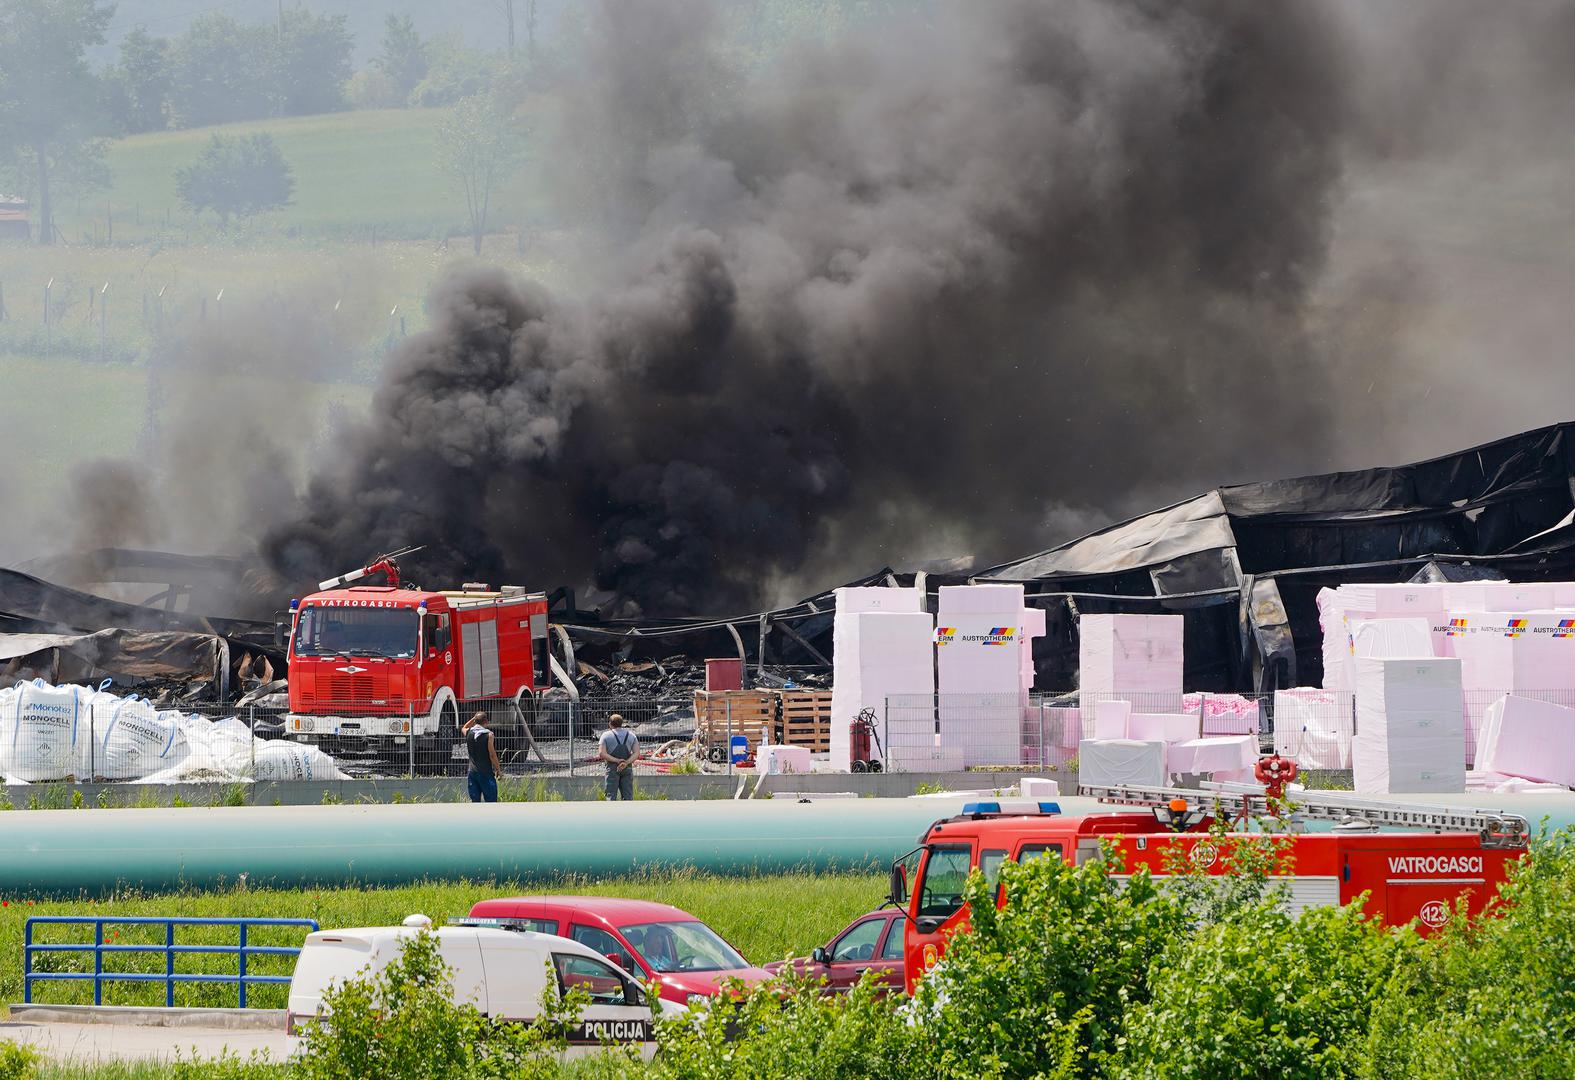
(308, 724)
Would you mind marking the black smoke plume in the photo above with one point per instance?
(932, 283)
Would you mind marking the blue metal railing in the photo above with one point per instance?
(241, 951)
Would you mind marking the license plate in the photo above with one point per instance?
(458, 753)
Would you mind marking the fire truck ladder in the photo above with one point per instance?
(1495, 827)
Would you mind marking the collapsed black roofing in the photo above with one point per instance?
(1243, 564)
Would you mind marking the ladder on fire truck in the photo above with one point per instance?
(1495, 827)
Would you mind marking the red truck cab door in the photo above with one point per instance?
(936, 908)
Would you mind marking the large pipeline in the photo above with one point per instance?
(94, 852)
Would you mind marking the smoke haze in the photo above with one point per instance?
(972, 279)
(945, 280)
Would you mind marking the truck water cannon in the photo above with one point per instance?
(385, 564)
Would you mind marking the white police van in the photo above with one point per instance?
(503, 973)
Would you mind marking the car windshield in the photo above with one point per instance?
(345, 631)
(682, 946)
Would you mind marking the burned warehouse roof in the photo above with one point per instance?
(1242, 563)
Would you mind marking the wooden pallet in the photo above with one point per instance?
(723, 713)
(806, 719)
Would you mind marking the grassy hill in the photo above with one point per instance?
(358, 176)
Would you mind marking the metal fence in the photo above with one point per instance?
(944, 732)
(100, 950)
(130, 741)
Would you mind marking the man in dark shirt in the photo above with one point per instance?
(484, 764)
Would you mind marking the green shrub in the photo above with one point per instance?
(1261, 994)
(1491, 997)
(789, 1029)
(402, 1023)
(1039, 987)
(18, 1062)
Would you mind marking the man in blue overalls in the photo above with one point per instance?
(618, 748)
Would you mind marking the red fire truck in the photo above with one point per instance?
(1417, 874)
(373, 666)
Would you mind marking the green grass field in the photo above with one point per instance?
(357, 174)
(766, 918)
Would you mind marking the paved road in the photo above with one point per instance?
(120, 1042)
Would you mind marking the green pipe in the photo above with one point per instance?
(74, 852)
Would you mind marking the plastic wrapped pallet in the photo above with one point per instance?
(1107, 762)
(1215, 754)
(882, 657)
(1410, 725)
(1421, 766)
(1529, 738)
(1138, 657)
(980, 642)
(1313, 727)
(1224, 714)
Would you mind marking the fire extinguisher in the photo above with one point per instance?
(860, 734)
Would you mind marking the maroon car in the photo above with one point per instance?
(684, 956)
(871, 942)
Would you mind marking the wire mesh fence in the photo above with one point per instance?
(71, 734)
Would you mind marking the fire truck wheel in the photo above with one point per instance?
(447, 738)
(860, 766)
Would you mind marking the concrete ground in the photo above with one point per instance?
(90, 1043)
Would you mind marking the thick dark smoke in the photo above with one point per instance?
(939, 281)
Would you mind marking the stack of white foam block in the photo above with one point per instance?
(1122, 761)
(1410, 726)
(884, 648)
(1525, 737)
(1224, 757)
(1313, 727)
(984, 664)
(1137, 657)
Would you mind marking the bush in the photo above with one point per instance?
(1494, 996)
(237, 176)
(1039, 987)
(18, 1062)
(403, 1022)
(1263, 995)
(789, 1028)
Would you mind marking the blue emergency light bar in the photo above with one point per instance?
(980, 808)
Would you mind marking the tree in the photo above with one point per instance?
(239, 176)
(403, 58)
(141, 82)
(478, 145)
(48, 96)
(221, 71)
(311, 63)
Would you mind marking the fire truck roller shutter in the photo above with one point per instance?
(480, 656)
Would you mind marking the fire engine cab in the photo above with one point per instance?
(1409, 875)
(372, 666)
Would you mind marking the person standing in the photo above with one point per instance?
(484, 764)
(617, 748)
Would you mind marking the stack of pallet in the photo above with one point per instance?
(806, 719)
(723, 713)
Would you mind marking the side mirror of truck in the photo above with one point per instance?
(621, 959)
(899, 884)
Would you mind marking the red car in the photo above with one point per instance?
(684, 956)
(871, 942)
